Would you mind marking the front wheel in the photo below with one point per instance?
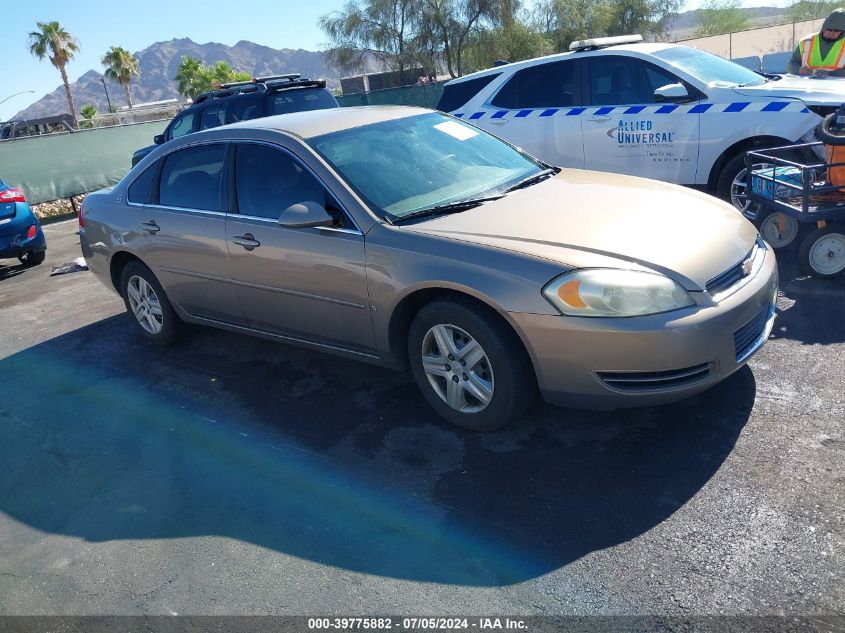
(732, 184)
(822, 252)
(145, 300)
(470, 367)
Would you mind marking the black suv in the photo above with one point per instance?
(263, 96)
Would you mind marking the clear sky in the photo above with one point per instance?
(136, 25)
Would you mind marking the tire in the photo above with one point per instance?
(497, 366)
(822, 252)
(777, 228)
(728, 185)
(33, 258)
(148, 305)
(824, 133)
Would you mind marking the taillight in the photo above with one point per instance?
(79, 215)
(12, 195)
(31, 232)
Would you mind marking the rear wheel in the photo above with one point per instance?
(33, 258)
(470, 368)
(822, 252)
(147, 304)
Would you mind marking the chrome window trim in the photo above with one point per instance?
(166, 208)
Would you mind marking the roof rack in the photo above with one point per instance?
(260, 84)
(604, 42)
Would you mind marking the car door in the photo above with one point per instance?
(628, 131)
(306, 283)
(184, 228)
(537, 110)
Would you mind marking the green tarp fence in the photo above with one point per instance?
(64, 165)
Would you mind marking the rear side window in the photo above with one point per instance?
(456, 95)
(139, 190)
(299, 99)
(181, 126)
(213, 116)
(192, 178)
(544, 86)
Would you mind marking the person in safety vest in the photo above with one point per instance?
(822, 52)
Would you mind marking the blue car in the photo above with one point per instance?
(20, 233)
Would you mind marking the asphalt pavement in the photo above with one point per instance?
(230, 475)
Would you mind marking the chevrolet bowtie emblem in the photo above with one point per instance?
(747, 265)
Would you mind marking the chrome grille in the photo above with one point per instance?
(633, 381)
(736, 273)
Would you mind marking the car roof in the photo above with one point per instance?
(310, 123)
(647, 48)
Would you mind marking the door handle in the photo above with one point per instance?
(599, 119)
(151, 227)
(498, 121)
(247, 240)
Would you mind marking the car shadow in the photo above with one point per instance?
(104, 437)
(807, 305)
(7, 271)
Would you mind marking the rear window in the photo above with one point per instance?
(300, 99)
(139, 190)
(457, 94)
(191, 178)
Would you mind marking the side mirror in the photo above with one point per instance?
(158, 139)
(305, 215)
(671, 92)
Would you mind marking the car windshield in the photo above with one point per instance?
(711, 69)
(406, 165)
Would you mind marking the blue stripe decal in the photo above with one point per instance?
(575, 111)
(634, 110)
(522, 114)
(476, 115)
(805, 111)
(602, 111)
(667, 109)
(549, 112)
(459, 114)
(499, 115)
(737, 107)
(775, 106)
(701, 107)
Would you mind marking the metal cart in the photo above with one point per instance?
(793, 201)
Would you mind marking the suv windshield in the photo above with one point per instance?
(712, 70)
(415, 163)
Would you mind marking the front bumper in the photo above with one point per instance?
(643, 361)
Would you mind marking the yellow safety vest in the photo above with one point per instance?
(811, 55)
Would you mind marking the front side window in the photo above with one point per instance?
(191, 178)
(543, 86)
(617, 80)
(268, 181)
(181, 126)
(300, 99)
(418, 162)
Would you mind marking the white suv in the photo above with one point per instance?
(660, 111)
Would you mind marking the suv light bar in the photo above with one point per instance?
(602, 42)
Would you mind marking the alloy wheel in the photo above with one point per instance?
(144, 304)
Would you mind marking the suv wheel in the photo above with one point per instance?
(470, 368)
(146, 302)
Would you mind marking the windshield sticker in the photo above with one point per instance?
(456, 130)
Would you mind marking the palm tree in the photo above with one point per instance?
(120, 67)
(88, 113)
(188, 76)
(51, 40)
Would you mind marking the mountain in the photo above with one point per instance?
(160, 61)
(683, 25)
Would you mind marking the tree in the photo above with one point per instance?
(193, 77)
(121, 66)
(452, 22)
(811, 9)
(721, 16)
(384, 29)
(52, 41)
(88, 113)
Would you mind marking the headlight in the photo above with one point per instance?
(607, 292)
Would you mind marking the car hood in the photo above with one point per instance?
(811, 91)
(584, 219)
